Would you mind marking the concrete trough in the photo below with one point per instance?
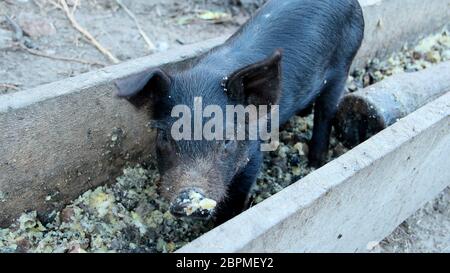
(63, 138)
(353, 201)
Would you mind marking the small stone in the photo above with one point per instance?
(433, 56)
(300, 148)
(23, 245)
(417, 55)
(67, 214)
(76, 249)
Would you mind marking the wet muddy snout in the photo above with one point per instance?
(193, 203)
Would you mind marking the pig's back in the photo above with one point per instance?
(314, 35)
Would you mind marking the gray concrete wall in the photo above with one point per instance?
(392, 23)
(56, 139)
(355, 200)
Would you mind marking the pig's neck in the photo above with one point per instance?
(228, 58)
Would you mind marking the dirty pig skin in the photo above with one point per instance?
(292, 53)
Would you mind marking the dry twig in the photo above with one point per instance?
(151, 46)
(60, 58)
(28, 46)
(9, 86)
(18, 32)
(89, 37)
(75, 6)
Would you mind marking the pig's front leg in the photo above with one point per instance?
(324, 111)
(238, 193)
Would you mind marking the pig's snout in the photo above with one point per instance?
(192, 203)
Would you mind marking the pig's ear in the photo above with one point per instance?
(141, 87)
(257, 84)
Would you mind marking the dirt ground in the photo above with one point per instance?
(168, 24)
(427, 230)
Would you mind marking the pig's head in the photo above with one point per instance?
(196, 173)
